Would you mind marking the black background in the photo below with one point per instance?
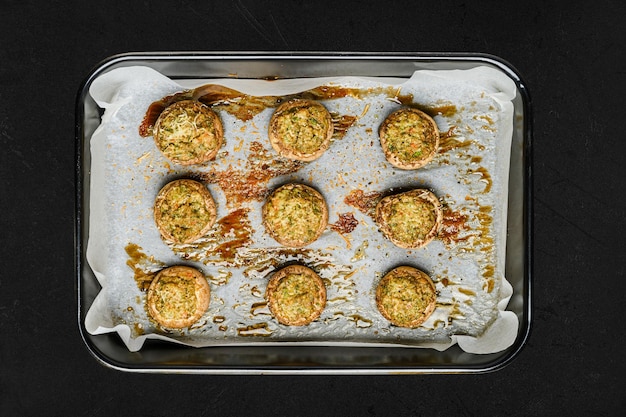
(571, 56)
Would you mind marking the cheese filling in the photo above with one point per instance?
(296, 297)
(184, 212)
(175, 297)
(294, 214)
(405, 297)
(302, 129)
(410, 218)
(186, 133)
(410, 137)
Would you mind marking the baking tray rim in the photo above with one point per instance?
(504, 358)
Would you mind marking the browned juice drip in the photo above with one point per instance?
(360, 321)
(341, 124)
(485, 219)
(234, 223)
(485, 177)
(138, 329)
(255, 330)
(446, 110)
(258, 308)
(489, 271)
(139, 263)
(447, 143)
(467, 292)
(156, 108)
(364, 202)
(240, 105)
(245, 107)
(250, 184)
(453, 223)
(345, 224)
(326, 92)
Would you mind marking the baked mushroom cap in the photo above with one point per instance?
(184, 211)
(296, 295)
(178, 296)
(406, 296)
(188, 133)
(301, 129)
(409, 138)
(295, 215)
(410, 219)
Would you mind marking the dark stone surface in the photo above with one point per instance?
(571, 57)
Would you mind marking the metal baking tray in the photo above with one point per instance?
(161, 357)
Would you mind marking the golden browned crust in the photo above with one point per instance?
(301, 129)
(409, 138)
(406, 296)
(295, 215)
(184, 211)
(296, 295)
(178, 296)
(188, 133)
(410, 219)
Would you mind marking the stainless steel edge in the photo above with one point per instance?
(102, 352)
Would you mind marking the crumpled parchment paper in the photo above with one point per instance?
(470, 176)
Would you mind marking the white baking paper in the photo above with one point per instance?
(472, 179)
